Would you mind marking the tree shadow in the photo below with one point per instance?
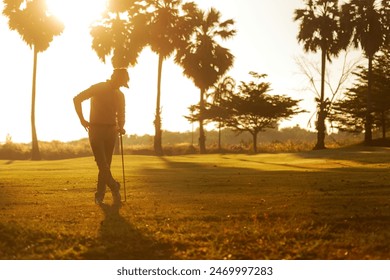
(359, 154)
(175, 165)
(277, 165)
(120, 240)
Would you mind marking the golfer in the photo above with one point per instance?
(107, 118)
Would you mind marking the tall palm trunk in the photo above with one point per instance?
(368, 124)
(35, 154)
(157, 122)
(220, 136)
(383, 120)
(322, 112)
(202, 137)
(254, 137)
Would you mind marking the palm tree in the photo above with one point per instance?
(320, 30)
(165, 32)
(119, 33)
(203, 59)
(37, 29)
(366, 23)
(219, 92)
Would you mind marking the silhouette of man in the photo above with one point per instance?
(107, 118)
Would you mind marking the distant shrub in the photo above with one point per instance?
(60, 150)
(49, 150)
(287, 140)
(15, 151)
(180, 149)
(287, 146)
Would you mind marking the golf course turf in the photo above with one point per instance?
(330, 204)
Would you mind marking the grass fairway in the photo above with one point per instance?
(332, 204)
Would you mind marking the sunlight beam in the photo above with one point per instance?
(76, 13)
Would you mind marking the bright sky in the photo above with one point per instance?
(265, 43)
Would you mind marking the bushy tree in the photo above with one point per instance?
(366, 22)
(252, 109)
(350, 113)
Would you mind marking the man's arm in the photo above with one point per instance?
(79, 110)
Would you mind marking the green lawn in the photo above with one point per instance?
(332, 204)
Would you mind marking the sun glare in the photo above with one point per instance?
(76, 13)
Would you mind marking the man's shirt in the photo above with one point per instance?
(107, 104)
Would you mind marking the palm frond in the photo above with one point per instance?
(31, 21)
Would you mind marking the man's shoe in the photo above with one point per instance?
(98, 200)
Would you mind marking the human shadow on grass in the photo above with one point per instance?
(119, 239)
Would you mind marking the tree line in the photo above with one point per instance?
(192, 36)
(349, 113)
(245, 108)
(330, 26)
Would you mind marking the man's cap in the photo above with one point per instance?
(122, 75)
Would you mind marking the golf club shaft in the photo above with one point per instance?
(123, 166)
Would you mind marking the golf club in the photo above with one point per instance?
(123, 166)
